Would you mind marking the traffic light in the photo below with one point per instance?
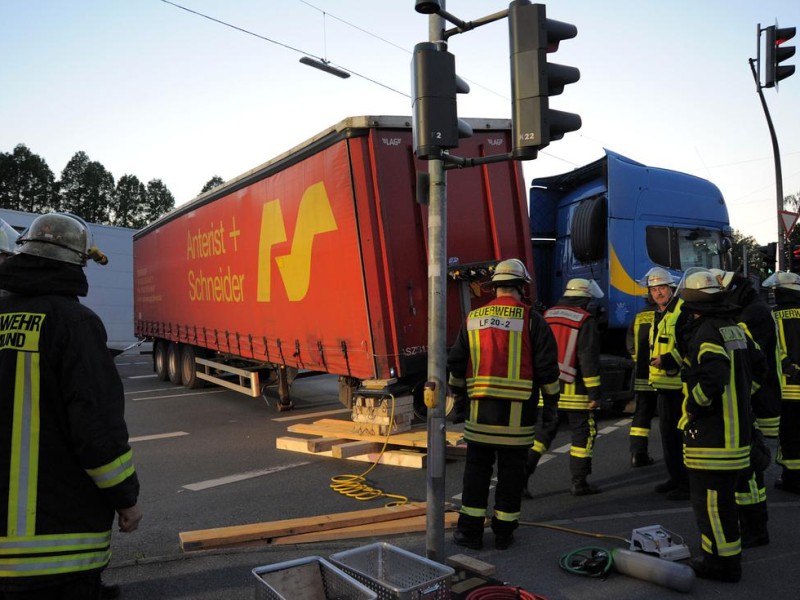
(533, 80)
(435, 85)
(767, 254)
(795, 259)
(776, 52)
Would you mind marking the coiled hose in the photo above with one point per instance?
(356, 487)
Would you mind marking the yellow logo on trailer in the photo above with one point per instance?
(314, 216)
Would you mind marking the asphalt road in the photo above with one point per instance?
(207, 458)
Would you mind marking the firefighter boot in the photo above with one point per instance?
(718, 568)
(530, 468)
(581, 487)
(753, 525)
(503, 533)
(641, 459)
(469, 532)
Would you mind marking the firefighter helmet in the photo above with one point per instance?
(510, 271)
(658, 276)
(8, 238)
(57, 236)
(586, 288)
(699, 285)
(725, 277)
(783, 279)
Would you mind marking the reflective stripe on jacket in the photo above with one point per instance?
(501, 361)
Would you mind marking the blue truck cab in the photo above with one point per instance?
(612, 220)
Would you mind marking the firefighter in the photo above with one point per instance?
(665, 377)
(638, 344)
(787, 315)
(721, 366)
(578, 340)
(755, 316)
(504, 355)
(65, 462)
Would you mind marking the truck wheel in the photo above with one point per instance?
(160, 361)
(174, 363)
(589, 230)
(189, 376)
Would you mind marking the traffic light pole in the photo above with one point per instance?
(437, 342)
(778, 175)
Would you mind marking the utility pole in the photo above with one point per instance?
(437, 338)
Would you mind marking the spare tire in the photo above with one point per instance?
(589, 230)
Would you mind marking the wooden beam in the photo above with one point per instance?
(238, 534)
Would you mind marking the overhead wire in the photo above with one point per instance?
(283, 45)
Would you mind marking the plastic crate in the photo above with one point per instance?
(396, 574)
(310, 578)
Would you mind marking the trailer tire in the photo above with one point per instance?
(189, 376)
(174, 363)
(589, 230)
(160, 360)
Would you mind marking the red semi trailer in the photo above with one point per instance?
(316, 261)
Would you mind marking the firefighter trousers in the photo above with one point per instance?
(670, 409)
(646, 403)
(511, 478)
(713, 498)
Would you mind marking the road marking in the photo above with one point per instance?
(204, 485)
(163, 389)
(157, 436)
(153, 376)
(338, 411)
(176, 396)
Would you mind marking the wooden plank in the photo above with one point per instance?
(349, 449)
(395, 527)
(471, 564)
(397, 458)
(415, 438)
(323, 444)
(230, 536)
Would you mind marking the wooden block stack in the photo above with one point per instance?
(375, 416)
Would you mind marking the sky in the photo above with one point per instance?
(153, 90)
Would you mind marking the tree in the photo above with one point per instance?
(215, 181)
(87, 189)
(131, 203)
(26, 182)
(159, 200)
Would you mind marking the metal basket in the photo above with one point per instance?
(396, 574)
(310, 578)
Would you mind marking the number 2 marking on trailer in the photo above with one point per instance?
(314, 216)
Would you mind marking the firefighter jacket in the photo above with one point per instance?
(578, 340)
(504, 354)
(787, 316)
(756, 317)
(664, 343)
(722, 367)
(65, 462)
(638, 344)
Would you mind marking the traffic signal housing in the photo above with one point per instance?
(794, 265)
(767, 253)
(776, 52)
(533, 80)
(434, 85)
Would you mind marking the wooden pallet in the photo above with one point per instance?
(346, 439)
